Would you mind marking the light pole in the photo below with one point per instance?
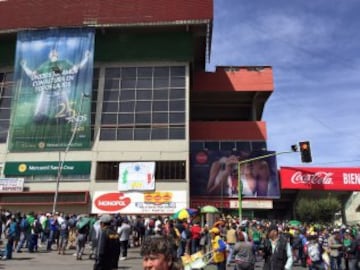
(62, 161)
(239, 174)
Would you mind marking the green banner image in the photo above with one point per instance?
(51, 106)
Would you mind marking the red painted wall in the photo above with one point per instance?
(245, 131)
(240, 79)
(17, 14)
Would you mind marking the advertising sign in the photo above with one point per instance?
(136, 176)
(215, 173)
(11, 184)
(52, 90)
(320, 178)
(159, 202)
(26, 168)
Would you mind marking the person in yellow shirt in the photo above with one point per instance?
(219, 248)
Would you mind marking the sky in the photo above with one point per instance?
(314, 50)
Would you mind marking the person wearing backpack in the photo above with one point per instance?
(25, 233)
(244, 255)
(312, 250)
(277, 251)
(64, 235)
(36, 229)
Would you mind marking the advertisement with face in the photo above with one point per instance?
(215, 173)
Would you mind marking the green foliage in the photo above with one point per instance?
(317, 210)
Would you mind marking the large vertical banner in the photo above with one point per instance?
(216, 174)
(52, 92)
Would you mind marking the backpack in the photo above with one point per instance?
(244, 256)
(313, 252)
(37, 226)
(24, 224)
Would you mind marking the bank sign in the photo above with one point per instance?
(317, 178)
(25, 168)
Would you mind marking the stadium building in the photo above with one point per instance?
(106, 106)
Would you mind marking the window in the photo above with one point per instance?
(164, 170)
(139, 99)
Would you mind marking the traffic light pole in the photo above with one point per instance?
(239, 174)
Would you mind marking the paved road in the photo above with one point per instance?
(44, 260)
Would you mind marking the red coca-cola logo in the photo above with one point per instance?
(318, 178)
(112, 202)
(201, 157)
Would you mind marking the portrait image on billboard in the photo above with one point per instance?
(215, 173)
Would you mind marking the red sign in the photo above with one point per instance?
(320, 178)
(112, 201)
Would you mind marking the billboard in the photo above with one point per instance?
(159, 202)
(52, 90)
(317, 178)
(136, 176)
(215, 173)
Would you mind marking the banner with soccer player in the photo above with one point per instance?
(52, 90)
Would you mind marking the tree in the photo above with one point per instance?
(317, 210)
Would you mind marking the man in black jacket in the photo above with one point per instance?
(277, 251)
(108, 246)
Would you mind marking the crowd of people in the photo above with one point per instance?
(164, 242)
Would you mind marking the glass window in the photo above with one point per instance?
(144, 83)
(177, 105)
(177, 82)
(160, 106)
(161, 72)
(144, 102)
(143, 106)
(177, 71)
(177, 118)
(111, 95)
(128, 106)
(125, 119)
(128, 72)
(159, 118)
(125, 134)
(108, 134)
(145, 72)
(144, 94)
(177, 133)
(177, 94)
(161, 94)
(107, 118)
(112, 84)
(160, 133)
(161, 82)
(128, 83)
(143, 118)
(112, 72)
(110, 107)
(127, 95)
(142, 134)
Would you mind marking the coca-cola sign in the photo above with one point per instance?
(318, 178)
(315, 178)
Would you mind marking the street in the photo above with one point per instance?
(44, 260)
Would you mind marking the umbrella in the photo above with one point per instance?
(184, 213)
(209, 209)
(294, 223)
(82, 222)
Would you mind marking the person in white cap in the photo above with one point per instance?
(108, 246)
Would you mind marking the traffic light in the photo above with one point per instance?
(305, 151)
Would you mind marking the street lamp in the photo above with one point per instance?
(62, 161)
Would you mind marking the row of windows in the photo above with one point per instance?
(149, 106)
(155, 112)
